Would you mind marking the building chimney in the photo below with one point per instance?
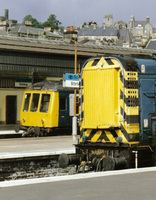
(28, 23)
(147, 19)
(6, 14)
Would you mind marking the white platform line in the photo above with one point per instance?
(74, 177)
(9, 132)
(34, 154)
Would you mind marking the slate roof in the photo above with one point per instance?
(3, 32)
(33, 31)
(99, 31)
(151, 44)
(124, 36)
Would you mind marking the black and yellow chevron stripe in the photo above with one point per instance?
(109, 135)
(129, 107)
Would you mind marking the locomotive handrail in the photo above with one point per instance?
(150, 94)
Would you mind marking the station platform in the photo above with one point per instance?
(36, 146)
(10, 132)
(137, 184)
(7, 130)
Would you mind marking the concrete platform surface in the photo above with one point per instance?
(132, 184)
(22, 147)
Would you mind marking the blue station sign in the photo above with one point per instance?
(71, 80)
(71, 77)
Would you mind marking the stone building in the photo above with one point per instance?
(141, 28)
(99, 35)
(31, 32)
(5, 22)
(108, 20)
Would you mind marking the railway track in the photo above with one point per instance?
(32, 167)
(34, 157)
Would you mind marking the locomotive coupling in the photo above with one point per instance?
(65, 160)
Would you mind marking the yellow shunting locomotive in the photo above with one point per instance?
(46, 106)
(117, 114)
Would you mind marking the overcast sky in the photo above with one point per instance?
(76, 12)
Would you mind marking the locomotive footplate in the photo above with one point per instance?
(105, 156)
(98, 157)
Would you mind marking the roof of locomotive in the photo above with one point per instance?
(134, 63)
(48, 85)
(128, 62)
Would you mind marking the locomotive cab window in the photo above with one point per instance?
(26, 102)
(45, 103)
(62, 103)
(34, 103)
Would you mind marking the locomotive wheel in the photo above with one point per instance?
(41, 134)
(108, 164)
(36, 131)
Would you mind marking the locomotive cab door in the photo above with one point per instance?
(147, 108)
(153, 128)
(64, 118)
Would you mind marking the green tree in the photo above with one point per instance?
(34, 21)
(51, 22)
(89, 23)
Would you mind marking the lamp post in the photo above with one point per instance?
(74, 122)
(75, 71)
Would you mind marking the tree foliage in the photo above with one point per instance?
(51, 22)
(89, 23)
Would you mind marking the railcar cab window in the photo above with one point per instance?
(45, 103)
(34, 103)
(62, 103)
(26, 102)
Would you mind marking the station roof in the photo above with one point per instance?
(24, 44)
